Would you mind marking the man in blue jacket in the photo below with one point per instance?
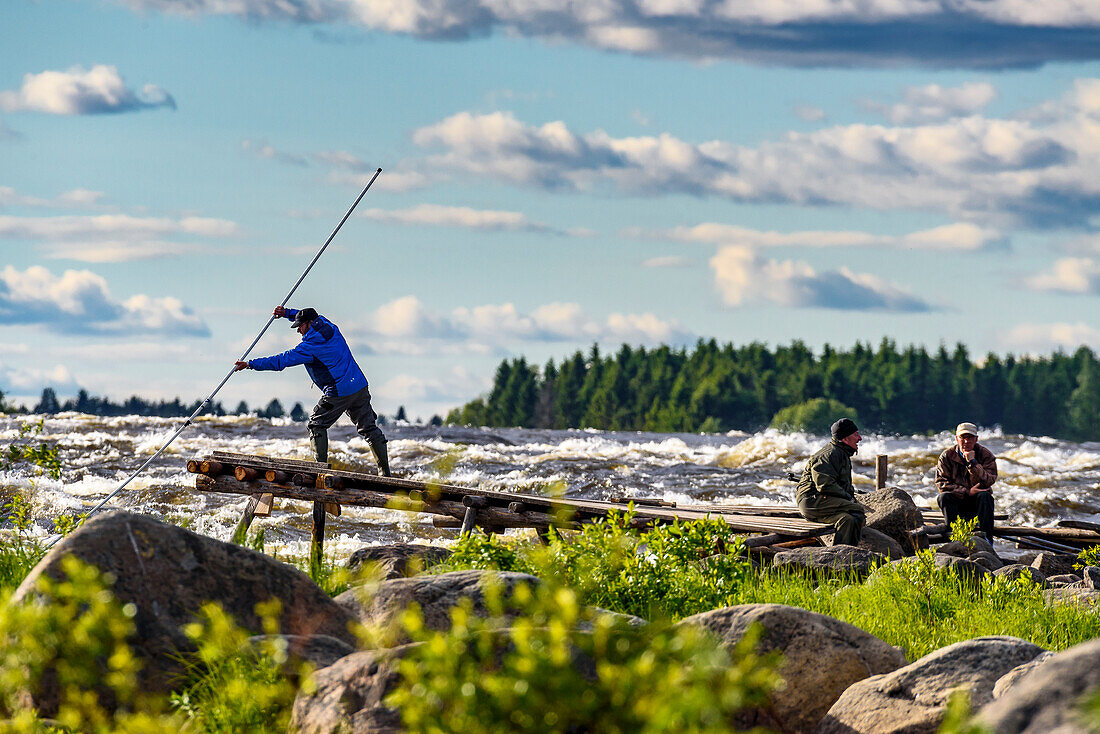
(332, 368)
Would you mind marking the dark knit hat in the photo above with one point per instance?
(843, 428)
(306, 314)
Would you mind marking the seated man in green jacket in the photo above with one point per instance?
(825, 492)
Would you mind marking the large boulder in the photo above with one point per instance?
(882, 544)
(1054, 564)
(892, 512)
(1015, 570)
(1047, 698)
(1072, 595)
(913, 699)
(822, 656)
(347, 696)
(965, 569)
(380, 605)
(169, 573)
(398, 560)
(1014, 676)
(320, 651)
(837, 560)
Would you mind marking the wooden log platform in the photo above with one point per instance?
(263, 479)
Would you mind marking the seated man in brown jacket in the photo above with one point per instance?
(965, 475)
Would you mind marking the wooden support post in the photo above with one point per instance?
(316, 548)
(469, 521)
(241, 532)
(263, 506)
(880, 471)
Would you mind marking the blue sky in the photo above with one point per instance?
(641, 171)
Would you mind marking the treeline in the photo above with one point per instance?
(714, 387)
(49, 404)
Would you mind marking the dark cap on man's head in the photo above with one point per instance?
(843, 428)
(306, 314)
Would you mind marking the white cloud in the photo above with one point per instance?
(114, 237)
(455, 386)
(80, 92)
(22, 380)
(933, 102)
(408, 327)
(938, 33)
(1068, 275)
(1043, 338)
(667, 261)
(457, 216)
(79, 301)
(808, 113)
(972, 168)
(77, 198)
(261, 149)
(743, 277)
(960, 236)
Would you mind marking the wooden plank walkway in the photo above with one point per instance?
(263, 478)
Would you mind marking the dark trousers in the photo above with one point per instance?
(358, 407)
(846, 516)
(978, 505)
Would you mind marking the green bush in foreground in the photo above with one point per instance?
(559, 667)
(671, 572)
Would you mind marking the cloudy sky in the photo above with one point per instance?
(555, 174)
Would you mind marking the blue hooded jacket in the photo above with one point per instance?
(326, 356)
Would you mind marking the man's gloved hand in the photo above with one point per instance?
(239, 365)
(279, 312)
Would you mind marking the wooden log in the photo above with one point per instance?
(1024, 541)
(245, 474)
(1056, 534)
(276, 475)
(213, 468)
(264, 504)
(317, 541)
(330, 482)
(880, 470)
(241, 531)
(303, 480)
(474, 501)
(194, 466)
(516, 507)
(469, 520)
(1080, 525)
(444, 521)
(271, 461)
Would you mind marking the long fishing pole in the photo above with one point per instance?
(50, 542)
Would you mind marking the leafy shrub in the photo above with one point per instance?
(668, 571)
(813, 416)
(1088, 557)
(962, 531)
(542, 672)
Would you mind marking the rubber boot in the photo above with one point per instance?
(319, 442)
(382, 457)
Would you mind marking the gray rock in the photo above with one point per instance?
(1091, 576)
(966, 569)
(1016, 570)
(1017, 674)
(988, 561)
(1076, 595)
(892, 512)
(822, 656)
(844, 560)
(347, 696)
(398, 560)
(1064, 579)
(912, 700)
(1045, 699)
(881, 543)
(168, 573)
(320, 651)
(381, 605)
(1054, 564)
(978, 544)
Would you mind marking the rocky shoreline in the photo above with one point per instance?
(837, 677)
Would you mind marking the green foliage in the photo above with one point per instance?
(669, 571)
(235, 686)
(21, 553)
(956, 719)
(43, 455)
(559, 667)
(718, 387)
(76, 645)
(1088, 557)
(962, 531)
(813, 416)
